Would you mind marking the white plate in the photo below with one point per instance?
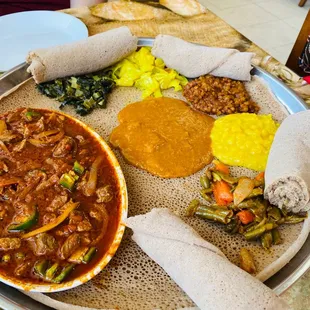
(22, 32)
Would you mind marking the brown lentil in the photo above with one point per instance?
(217, 95)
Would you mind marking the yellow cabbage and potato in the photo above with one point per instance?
(142, 70)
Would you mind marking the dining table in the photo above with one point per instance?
(209, 29)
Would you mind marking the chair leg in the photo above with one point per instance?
(302, 2)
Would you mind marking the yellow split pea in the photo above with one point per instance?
(243, 139)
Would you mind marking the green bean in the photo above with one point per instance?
(227, 178)
(257, 232)
(281, 221)
(233, 226)
(284, 211)
(191, 209)
(204, 194)
(256, 192)
(247, 261)
(260, 224)
(221, 215)
(276, 237)
(249, 226)
(275, 214)
(216, 177)
(209, 174)
(207, 190)
(247, 204)
(259, 210)
(222, 210)
(294, 219)
(266, 240)
(204, 181)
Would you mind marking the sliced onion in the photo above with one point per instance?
(91, 184)
(47, 137)
(105, 221)
(4, 148)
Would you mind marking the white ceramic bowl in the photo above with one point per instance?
(123, 210)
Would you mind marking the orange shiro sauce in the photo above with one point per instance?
(164, 136)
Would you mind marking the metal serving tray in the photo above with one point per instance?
(10, 298)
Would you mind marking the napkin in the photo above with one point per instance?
(200, 269)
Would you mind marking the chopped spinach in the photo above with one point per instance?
(85, 92)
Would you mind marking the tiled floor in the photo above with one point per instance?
(271, 24)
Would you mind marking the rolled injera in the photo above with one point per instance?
(81, 57)
(194, 60)
(198, 267)
(287, 175)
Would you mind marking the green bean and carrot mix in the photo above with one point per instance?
(239, 204)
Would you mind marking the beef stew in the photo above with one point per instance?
(59, 198)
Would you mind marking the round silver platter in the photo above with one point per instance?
(11, 298)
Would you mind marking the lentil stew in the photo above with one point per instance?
(59, 198)
(219, 95)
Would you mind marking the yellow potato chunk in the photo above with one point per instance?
(243, 139)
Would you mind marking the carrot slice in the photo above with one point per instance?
(222, 193)
(221, 167)
(246, 216)
(260, 176)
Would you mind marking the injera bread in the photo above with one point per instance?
(92, 54)
(211, 280)
(132, 280)
(194, 60)
(288, 167)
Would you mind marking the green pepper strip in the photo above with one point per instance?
(89, 255)
(78, 255)
(78, 168)
(67, 181)
(50, 272)
(40, 267)
(64, 273)
(30, 115)
(27, 223)
(70, 206)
